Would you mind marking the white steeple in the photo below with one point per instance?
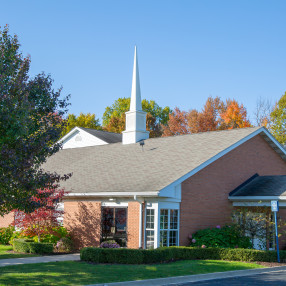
(135, 126)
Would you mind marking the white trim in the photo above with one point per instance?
(114, 204)
(256, 204)
(274, 140)
(224, 152)
(113, 194)
(256, 198)
(69, 134)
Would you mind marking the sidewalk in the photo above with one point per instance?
(195, 278)
(39, 259)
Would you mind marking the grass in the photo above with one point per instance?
(5, 253)
(81, 273)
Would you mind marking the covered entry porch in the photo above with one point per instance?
(252, 204)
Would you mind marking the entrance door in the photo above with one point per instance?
(114, 224)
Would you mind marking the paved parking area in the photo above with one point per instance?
(277, 278)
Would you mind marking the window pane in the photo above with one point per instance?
(150, 217)
(163, 238)
(149, 239)
(107, 220)
(173, 219)
(163, 219)
(120, 219)
(173, 237)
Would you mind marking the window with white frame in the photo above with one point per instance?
(169, 227)
(150, 228)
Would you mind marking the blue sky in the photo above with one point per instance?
(188, 50)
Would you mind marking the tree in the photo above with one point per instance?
(262, 113)
(114, 116)
(31, 123)
(44, 218)
(234, 116)
(208, 119)
(215, 115)
(178, 123)
(278, 120)
(83, 120)
(258, 223)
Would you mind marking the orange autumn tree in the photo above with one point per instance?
(177, 124)
(234, 116)
(208, 119)
(215, 115)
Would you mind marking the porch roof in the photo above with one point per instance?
(260, 188)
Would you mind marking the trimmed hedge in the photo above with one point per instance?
(165, 254)
(29, 246)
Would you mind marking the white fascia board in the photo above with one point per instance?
(216, 157)
(114, 194)
(257, 198)
(274, 140)
(224, 152)
(69, 134)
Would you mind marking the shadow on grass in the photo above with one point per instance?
(80, 273)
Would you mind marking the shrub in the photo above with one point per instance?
(229, 236)
(19, 235)
(115, 255)
(165, 254)
(109, 244)
(29, 246)
(6, 234)
(65, 244)
(55, 234)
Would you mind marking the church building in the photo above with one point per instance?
(149, 192)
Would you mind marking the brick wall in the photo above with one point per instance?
(7, 219)
(133, 224)
(205, 195)
(83, 219)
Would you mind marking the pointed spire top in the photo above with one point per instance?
(135, 103)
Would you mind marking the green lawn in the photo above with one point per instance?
(5, 253)
(81, 273)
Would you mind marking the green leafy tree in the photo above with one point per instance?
(31, 123)
(114, 116)
(83, 120)
(278, 120)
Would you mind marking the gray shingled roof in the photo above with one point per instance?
(262, 186)
(128, 168)
(108, 137)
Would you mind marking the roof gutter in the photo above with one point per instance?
(114, 194)
(256, 198)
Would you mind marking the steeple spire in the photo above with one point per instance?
(135, 126)
(135, 103)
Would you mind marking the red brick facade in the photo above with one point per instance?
(6, 220)
(133, 225)
(205, 195)
(83, 219)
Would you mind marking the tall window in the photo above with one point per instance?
(114, 224)
(168, 227)
(150, 228)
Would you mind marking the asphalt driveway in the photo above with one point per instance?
(277, 278)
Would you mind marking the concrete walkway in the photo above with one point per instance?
(195, 278)
(39, 259)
